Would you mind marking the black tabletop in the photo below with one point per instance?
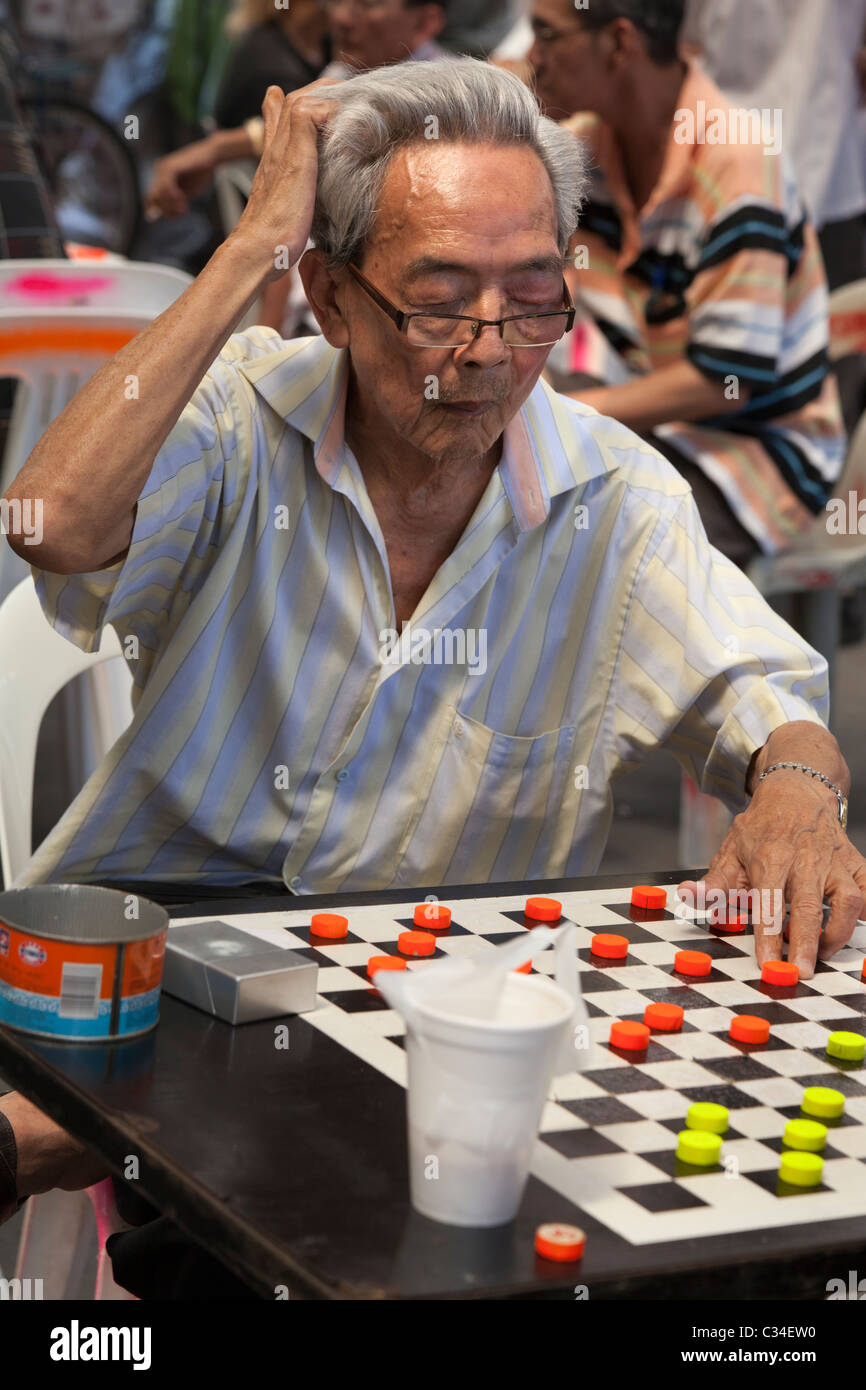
(290, 1165)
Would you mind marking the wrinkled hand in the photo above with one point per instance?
(279, 210)
(177, 178)
(47, 1156)
(789, 843)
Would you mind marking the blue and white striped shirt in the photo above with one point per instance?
(280, 732)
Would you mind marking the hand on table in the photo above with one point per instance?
(789, 843)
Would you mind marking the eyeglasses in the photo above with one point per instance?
(458, 330)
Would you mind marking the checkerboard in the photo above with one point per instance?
(608, 1134)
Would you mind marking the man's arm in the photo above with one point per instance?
(801, 742)
(185, 173)
(91, 464)
(36, 1155)
(677, 392)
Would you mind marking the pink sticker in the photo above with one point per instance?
(51, 288)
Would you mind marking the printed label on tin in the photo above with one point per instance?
(64, 990)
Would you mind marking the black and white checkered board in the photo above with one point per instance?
(608, 1135)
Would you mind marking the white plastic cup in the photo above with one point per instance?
(477, 1087)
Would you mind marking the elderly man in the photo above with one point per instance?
(257, 520)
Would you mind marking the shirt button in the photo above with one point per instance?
(342, 775)
(295, 882)
(458, 728)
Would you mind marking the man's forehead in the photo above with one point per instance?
(454, 190)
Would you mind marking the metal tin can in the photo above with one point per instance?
(80, 964)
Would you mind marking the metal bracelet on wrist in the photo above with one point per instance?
(813, 772)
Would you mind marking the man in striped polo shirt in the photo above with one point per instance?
(698, 271)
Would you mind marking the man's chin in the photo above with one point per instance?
(462, 437)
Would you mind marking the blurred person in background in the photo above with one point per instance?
(800, 56)
(371, 33)
(701, 280)
(287, 48)
(360, 34)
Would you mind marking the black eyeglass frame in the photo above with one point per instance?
(401, 319)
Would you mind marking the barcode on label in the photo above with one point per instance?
(79, 991)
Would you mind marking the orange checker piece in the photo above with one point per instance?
(646, 896)
(779, 972)
(693, 963)
(416, 943)
(630, 1036)
(330, 924)
(557, 1242)
(543, 909)
(746, 1028)
(432, 916)
(610, 946)
(734, 922)
(384, 963)
(668, 1018)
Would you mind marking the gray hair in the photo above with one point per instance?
(462, 100)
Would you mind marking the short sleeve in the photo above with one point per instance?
(751, 250)
(707, 668)
(196, 489)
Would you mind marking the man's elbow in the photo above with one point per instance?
(42, 534)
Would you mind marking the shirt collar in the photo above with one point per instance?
(548, 446)
(677, 172)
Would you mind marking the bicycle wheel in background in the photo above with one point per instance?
(90, 171)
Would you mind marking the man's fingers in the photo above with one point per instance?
(846, 903)
(806, 891)
(272, 109)
(768, 878)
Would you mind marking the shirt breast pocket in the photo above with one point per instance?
(495, 806)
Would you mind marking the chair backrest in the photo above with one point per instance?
(37, 663)
(59, 321)
(232, 184)
(847, 310)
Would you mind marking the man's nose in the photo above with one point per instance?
(487, 349)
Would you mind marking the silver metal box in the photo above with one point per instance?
(235, 976)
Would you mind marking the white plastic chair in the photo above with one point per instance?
(37, 663)
(59, 322)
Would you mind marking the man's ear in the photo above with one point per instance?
(323, 292)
